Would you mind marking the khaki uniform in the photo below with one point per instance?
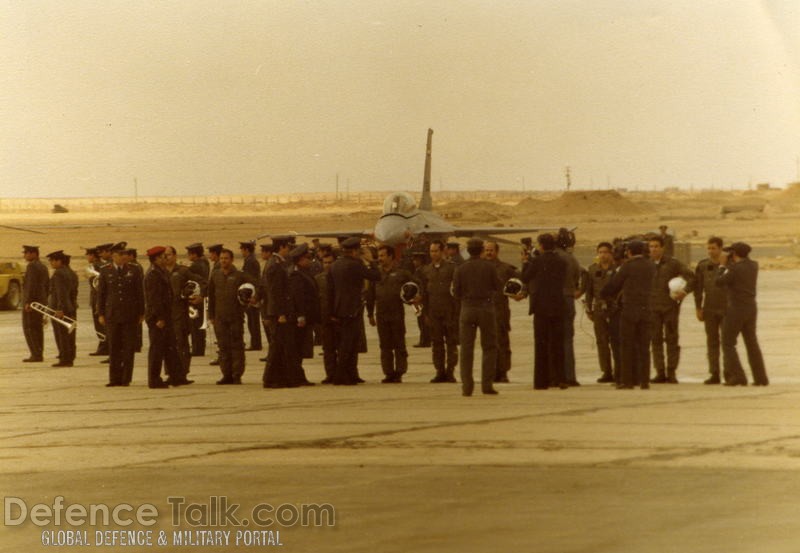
(441, 309)
(713, 300)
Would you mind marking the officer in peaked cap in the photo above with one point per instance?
(201, 266)
(34, 289)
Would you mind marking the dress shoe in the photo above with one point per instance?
(624, 386)
(658, 379)
(714, 379)
(252, 349)
(451, 378)
(105, 361)
(672, 379)
(225, 380)
(490, 392)
(421, 346)
(180, 382)
(501, 379)
(466, 392)
(764, 383)
(573, 383)
(236, 380)
(157, 385)
(33, 360)
(112, 385)
(262, 359)
(327, 380)
(645, 386)
(61, 364)
(563, 385)
(214, 362)
(307, 383)
(605, 379)
(97, 353)
(360, 380)
(438, 379)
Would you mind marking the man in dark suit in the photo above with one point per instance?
(214, 251)
(158, 316)
(34, 289)
(120, 303)
(251, 267)
(328, 328)
(263, 304)
(345, 285)
(545, 275)
(634, 279)
(62, 301)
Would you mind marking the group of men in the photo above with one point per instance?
(303, 296)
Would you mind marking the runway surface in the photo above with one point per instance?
(416, 467)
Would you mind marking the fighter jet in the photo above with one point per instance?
(402, 221)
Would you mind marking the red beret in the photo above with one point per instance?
(156, 250)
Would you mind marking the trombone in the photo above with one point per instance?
(50, 313)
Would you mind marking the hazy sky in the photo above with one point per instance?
(248, 97)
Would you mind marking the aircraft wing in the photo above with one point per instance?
(363, 233)
(495, 231)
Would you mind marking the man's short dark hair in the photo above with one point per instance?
(547, 241)
(715, 240)
(439, 243)
(605, 245)
(656, 238)
(636, 247)
(389, 249)
(474, 246)
(226, 250)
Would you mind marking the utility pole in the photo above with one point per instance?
(337, 187)
(135, 190)
(569, 178)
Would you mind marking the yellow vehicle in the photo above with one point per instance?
(11, 278)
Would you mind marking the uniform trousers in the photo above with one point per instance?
(122, 337)
(444, 342)
(33, 328)
(161, 352)
(392, 343)
(742, 319)
(254, 327)
(548, 351)
(712, 321)
(569, 339)
(65, 341)
(664, 330)
(477, 314)
(230, 341)
(635, 342)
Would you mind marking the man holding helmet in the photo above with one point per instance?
(227, 300)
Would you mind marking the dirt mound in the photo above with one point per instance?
(590, 202)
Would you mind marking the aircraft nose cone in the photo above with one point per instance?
(390, 230)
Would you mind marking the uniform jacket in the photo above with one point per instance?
(120, 293)
(740, 279)
(504, 273)
(345, 284)
(277, 287)
(476, 280)
(61, 291)
(634, 278)
(438, 281)
(667, 269)
(35, 287)
(572, 279)
(322, 293)
(383, 296)
(304, 295)
(596, 280)
(707, 295)
(223, 298)
(202, 271)
(158, 295)
(251, 266)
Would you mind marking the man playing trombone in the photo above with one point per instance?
(62, 302)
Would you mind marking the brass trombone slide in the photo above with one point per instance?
(50, 313)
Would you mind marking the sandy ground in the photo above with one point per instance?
(416, 467)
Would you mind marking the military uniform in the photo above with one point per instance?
(228, 316)
(102, 345)
(328, 332)
(386, 306)
(740, 279)
(199, 266)
(345, 285)
(664, 317)
(634, 279)
(120, 300)
(571, 285)
(251, 267)
(544, 276)
(35, 288)
(712, 300)
(266, 322)
(306, 313)
(503, 317)
(279, 369)
(62, 298)
(158, 306)
(182, 325)
(441, 309)
(475, 283)
(602, 312)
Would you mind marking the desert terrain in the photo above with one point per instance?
(417, 467)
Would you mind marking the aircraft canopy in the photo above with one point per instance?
(399, 202)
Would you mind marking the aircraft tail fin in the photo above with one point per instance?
(426, 202)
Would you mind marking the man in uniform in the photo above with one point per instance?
(279, 366)
(669, 241)
(544, 276)
(475, 283)
(419, 260)
(199, 265)
(35, 288)
(120, 303)
(740, 276)
(226, 312)
(179, 276)
(600, 311)
(710, 302)
(251, 267)
(157, 315)
(665, 311)
(104, 255)
(453, 253)
(266, 255)
(328, 328)
(441, 310)
(634, 279)
(385, 309)
(565, 242)
(214, 251)
(345, 285)
(491, 250)
(93, 261)
(61, 301)
(304, 295)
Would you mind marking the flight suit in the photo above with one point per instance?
(441, 309)
(664, 313)
(712, 300)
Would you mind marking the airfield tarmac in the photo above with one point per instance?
(416, 467)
